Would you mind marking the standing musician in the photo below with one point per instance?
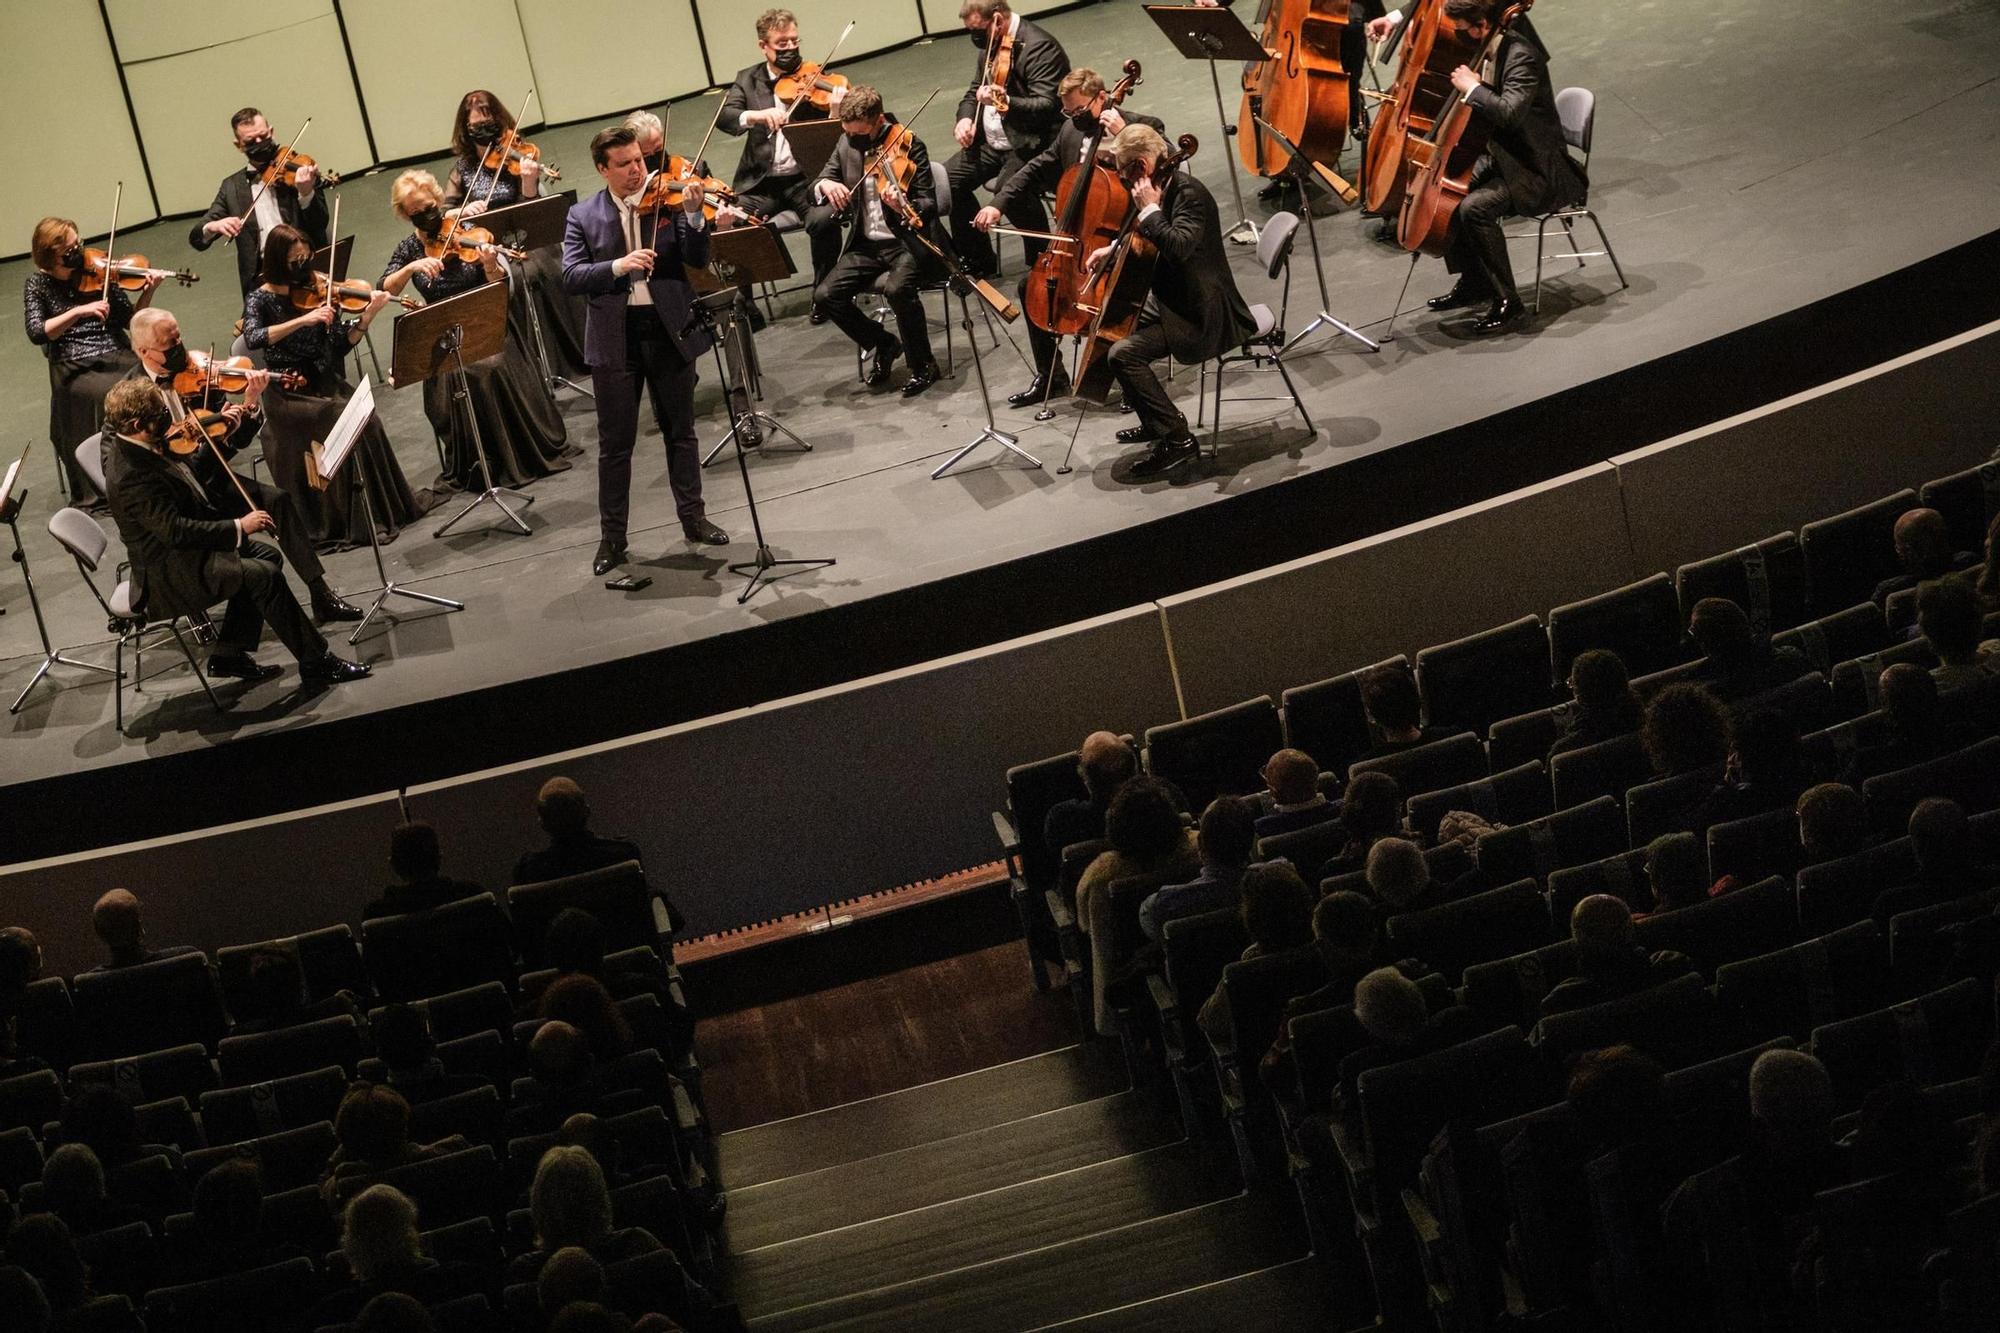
(995, 144)
(188, 553)
(1194, 310)
(878, 243)
(313, 340)
(156, 337)
(641, 333)
(83, 335)
(520, 425)
(768, 179)
(249, 211)
(1084, 110)
(1527, 167)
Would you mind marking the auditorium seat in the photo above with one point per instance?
(262, 1057)
(1968, 500)
(289, 1158)
(1847, 554)
(1640, 622)
(1221, 753)
(454, 1187)
(474, 1241)
(178, 1071)
(262, 1298)
(30, 1100)
(1666, 805)
(170, 1120)
(1326, 720)
(123, 1261)
(1970, 776)
(1306, 848)
(1608, 768)
(328, 959)
(1840, 637)
(1857, 683)
(1033, 789)
(1513, 741)
(1623, 876)
(1806, 702)
(1511, 989)
(1794, 990)
(449, 948)
(1924, 940)
(1258, 989)
(465, 1013)
(1677, 1023)
(1767, 579)
(1505, 798)
(131, 1010)
(1837, 893)
(1826, 753)
(1572, 837)
(1742, 923)
(482, 1055)
(1494, 924)
(1475, 681)
(231, 1115)
(20, 1159)
(476, 1113)
(45, 1022)
(1932, 1039)
(616, 895)
(1749, 849)
(1429, 767)
(1195, 950)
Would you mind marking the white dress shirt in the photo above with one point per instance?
(628, 217)
(989, 115)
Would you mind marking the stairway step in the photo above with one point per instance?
(1030, 1215)
(931, 1173)
(1289, 1296)
(1103, 1271)
(923, 1114)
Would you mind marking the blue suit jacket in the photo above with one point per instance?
(593, 238)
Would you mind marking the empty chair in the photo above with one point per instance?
(170, 1120)
(1307, 848)
(1196, 949)
(1806, 701)
(1968, 500)
(1216, 754)
(1848, 554)
(1857, 683)
(1475, 681)
(1571, 837)
(1623, 876)
(123, 1261)
(1507, 920)
(616, 895)
(230, 1115)
(1768, 580)
(20, 1158)
(261, 1298)
(289, 1158)
(1932, 1039)
(1033, 789)
(263, 1056)
(1740, 924)
(465, 1013)
(1608, 768)
(1807, 985)
(454, 1187)
(1666, 805)
(475, 1113)
(149, 1007)
(1432, 766)
(1840, 637)
(448, 948)
(1970, 776)
(1837, 893)
(482, 1055)
(1676, 1023)
(1749, 849)
(1505, 798)
(30, 1100)
(1326, 719)
(1511, 990)
(1513, 741)
(1641, 622)
(328, 959)
(1827, 752)
(178, 1071)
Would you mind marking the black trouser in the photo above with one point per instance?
(982, 165)
(1478, 248)
(292, 536)
(652, 363)
(782, 194)
(1041, 343)
(1132, 360)
(862, 269)
(265, 598)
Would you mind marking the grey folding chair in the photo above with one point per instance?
(90, 457)
(1265, 345)
(1577, 108)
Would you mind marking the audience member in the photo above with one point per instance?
(1396, 712)
(1792, 1154)
(1277, 916)
(1987, 582)
(1606, 706)
(1608, 963)
(1147, 837)
(1370, 810)
(1676, 871)
(1224, 841)
(1618, 1096)
(393, 1312)
(1923, 549)
(385, 1252)
(73, 1189)
(1949, 614)
(1400, 878)
(1833, 822)
(1397, 1022)
(41, 1244)
(20, 966)
(1739, 663)
(1915, 728)
(572, 848)
(1347, 931)
(275, 995)
(1948, 863)
(417, 864)
(561, 1072)
(373, 1126)
(1686, 729)
(570, 1205)
(102, 1118)
(572, 1274)
(23, 1307)
(584, 1004)
(228, 1234)
(1763, 773)
(403, 1041)
(1292, 778)
(1105, 764)
(574, 945)
(118, 923)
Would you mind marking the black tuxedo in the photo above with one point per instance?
(187, 554)
(864, 262)
(1034, 114)
(756, 188)
(232, 200)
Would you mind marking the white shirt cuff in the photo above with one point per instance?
(1148, 211)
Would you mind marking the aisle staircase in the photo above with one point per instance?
(1044, 1193)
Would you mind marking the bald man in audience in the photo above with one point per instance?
(1292, 778)
(1609, 964)
(1105, 764)
(573, 849)
(1923, 548)
(117, 921)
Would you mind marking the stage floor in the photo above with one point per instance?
(1745, 167)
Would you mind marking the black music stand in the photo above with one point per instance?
(1301, 170)
(1215, 34)
(437, 340)
(534, 224)
(736, 258)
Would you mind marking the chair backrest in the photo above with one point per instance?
(45, 1022)
(149, 1007)
(1838, 638)
(1274, 246)
(90, 458)
(1808, 985)
(1640, 622)
(1749, 849)
(1033, 789)
(1836, 893)
(1970, 776)
(1477, 680)
(1934, 1038)
(941, 182)
(1664, 806)
(1403, 1105)
(1848, 554)
(1767, 579)
(1857, 684)
(1741, 924)
(1676, 1023)
(1306, 848)
(460, 944)
(260, 1057)
(1217, 753)
(1623, 876)
(262, 1297)
(1572, 837)
(79, 534)
(30, 1100)
(1576, 108)
(1805, 700)
(178, 1071)
(1511, 990)
(616, 895)
(1513, 741)
(328, 960)
(1519, 794)
(1968, 500)
(231, 1115)
(1500, 922)
(289, 1158)
(1326, 718)
(1198, 948)
(1430, 767)
(1609, 768)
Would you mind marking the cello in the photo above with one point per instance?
(1301, 90)
(1431, 50)
(1116, 294)
(1441, 162)
(1091, 203)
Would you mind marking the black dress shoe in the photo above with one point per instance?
(1505, 311)
(332, 670)
(885, 360)
(920, 380)
(1461, 295)
(610, 555)
(704, 533)
(817, 315)
(239, 666)
(1039, 391)
(330, 605)
(1166, 455)
(1137, 435)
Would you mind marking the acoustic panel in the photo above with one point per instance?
(147, 29)
(64, 60)
(412, 116)
(183, 104)
(941, 16)
(731, 30)
(605, 57)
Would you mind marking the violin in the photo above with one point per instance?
(508, 155)
(667, 188)
(187, 436)
(893, 167)
(1441, 162)
(1300, 91)
(350, 294)
(129, 273)
(285, 167)
(228, 376)
(809, 85)
(1091, 203)
(1117, 291)
(457, 240)
(999, 61)
(1432, 49)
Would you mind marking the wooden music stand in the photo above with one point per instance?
(812, 143)
(737, 258)
(332, 260)
(438, 340)
(535, 224)
(1215, 34)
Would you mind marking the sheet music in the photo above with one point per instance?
(7, 501)
(341, 439)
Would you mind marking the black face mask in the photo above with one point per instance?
(429, 221)
(72, 259)
(1085, 120)
(175, 358)
(788, 62)
(486, 132)
(977, 36)
(261, 151)
(861, 143)
(656, 161)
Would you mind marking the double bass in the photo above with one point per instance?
(1301, 90)
(1432, 49)
(1117, 291)
(1091, 203)
(1441, 162)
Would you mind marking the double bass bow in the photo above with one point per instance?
(1441, 162)
(1091, 203)
(1117, 293)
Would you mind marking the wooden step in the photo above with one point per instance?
(1295, 1295)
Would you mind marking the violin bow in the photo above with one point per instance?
(263, 181)
(332, 249)
(806, 92)
(693, 165)
(111, 241)
(208, 373)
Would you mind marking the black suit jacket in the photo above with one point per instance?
(594, 238)
(1203, 313)
(1033, 109)
(752, 91)
(183, 548)
(1043, 172)
(845, 166)
(232, 198)
(1527, 146)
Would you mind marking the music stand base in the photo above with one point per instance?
(492, 495)
(1325, 320)
(759, 570)
(50, 661)
(391, 590)
(767, 423)
(1011, 443)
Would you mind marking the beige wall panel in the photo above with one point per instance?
(149, 29)
(605, 57)
(731, 29)
(412, 115)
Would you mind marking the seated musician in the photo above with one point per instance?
(1084, 110)
(995, 144)
(156, 338)
(1194, 310)
(877, 245)
(188, 554)
(1526, 169)
(247, 211)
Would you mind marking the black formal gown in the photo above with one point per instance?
(298, 417)
(84, 362)
(561, 314)
(519, 423)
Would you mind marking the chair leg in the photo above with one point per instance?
(1215, 424)
(944, 317)
(1201, 394)
(199, 674)
(1569, 231)
(1609, 253)
(1297, 401)
(118, 684)
(1541, 234)
(1396, 310)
